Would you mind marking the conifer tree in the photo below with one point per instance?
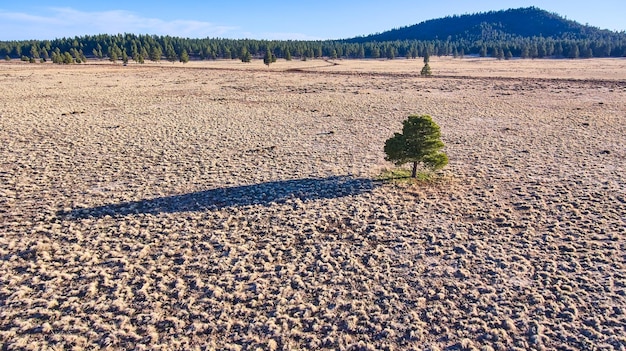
(288, 55)
(391, 52)
(67, 58)
(426, 71)
(245, 55)
(267, 59)
(483, 51)
(184, 56)
(143, 55)
(375, 52)
(170, 53)
(113, 55)
(500, 53)
(574, 52)
(155, 53)
(420, 142)
(361, 52)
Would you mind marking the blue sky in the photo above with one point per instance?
(295, 19)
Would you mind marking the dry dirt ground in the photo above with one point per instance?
(224, 205)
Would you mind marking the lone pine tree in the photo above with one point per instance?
(426, 71)
(420, 142)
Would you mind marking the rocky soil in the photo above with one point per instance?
(225, 206)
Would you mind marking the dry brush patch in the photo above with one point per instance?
(233, 208)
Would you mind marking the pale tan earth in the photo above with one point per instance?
(222, 205)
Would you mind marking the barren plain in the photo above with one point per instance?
(222, 205)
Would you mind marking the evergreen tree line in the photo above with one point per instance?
(139, 48)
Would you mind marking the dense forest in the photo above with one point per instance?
(525, 33)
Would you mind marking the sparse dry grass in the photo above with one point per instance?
(223, 205)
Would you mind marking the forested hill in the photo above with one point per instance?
(526, 33)
(496, 25)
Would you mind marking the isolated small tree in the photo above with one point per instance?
(420, 142)
(426, 71)
(267, 59)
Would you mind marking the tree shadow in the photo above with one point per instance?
(214, 199)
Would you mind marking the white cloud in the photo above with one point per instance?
(68, 22)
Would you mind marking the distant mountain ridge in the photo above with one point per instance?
(526, 33)
(495, 25)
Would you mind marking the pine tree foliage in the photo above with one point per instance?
(419, 142)
(269, 57)
(245, 55)
(184, 57)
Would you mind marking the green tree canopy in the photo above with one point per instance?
(268, 58)
(245, 55)
(184, 57)
(155, 53)
(420, 142)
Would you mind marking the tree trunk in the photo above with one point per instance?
(414, 172)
